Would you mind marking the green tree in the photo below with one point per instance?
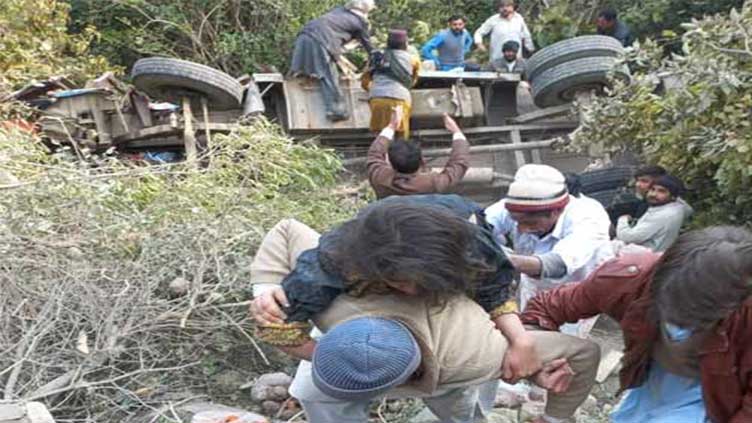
(35, 44)
(690, 113)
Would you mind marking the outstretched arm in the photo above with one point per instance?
(459, 159)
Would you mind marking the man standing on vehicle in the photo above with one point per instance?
(507, 25)
(452, 45)
(319, 47)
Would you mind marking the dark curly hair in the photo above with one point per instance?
(426, 246)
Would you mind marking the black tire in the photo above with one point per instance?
(558, 85)
(605, 179)
(604, 197)
(172, 79)
(572, 49)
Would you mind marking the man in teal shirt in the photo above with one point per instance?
(452, 44)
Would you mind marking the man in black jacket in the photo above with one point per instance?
(320, 45)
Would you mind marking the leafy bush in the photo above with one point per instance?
(90, 247)
(35, 44)
(698, 126)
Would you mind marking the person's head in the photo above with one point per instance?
(606, 19)
(510, 49)
(536, 198)
(505, 7)
(703, 277)
(644, 177)
(665, 189)
(397, 39)
(365, 6)
(456, 23)
(364, 357)
(415, 250)
(405, 156)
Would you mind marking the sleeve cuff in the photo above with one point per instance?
(284, 335)
(509, 307)
(387, 133)
(458, 136)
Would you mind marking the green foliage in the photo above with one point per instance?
(35, 44)
(662, 19)
(699, 127)
(242, 36)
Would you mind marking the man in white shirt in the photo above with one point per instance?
(556, 237)
(507, 25)
(659, 227)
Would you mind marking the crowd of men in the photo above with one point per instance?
(428, 295)
(321, 44)
(416, 297)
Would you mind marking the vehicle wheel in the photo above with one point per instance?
(572, 49)
(604, 197)
(605, 179)
(172, 79)
(558, 85)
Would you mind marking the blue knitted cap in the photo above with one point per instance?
(364, 357)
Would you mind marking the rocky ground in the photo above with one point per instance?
(266, 399)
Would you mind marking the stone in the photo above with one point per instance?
(531, 410)
(37, 412)
(290, 409)
(260, 392)
(425, 416)
(590, 405)
(279, 393)
(503, 415)
(270, 407)
(508, 399)
(275, 379)
(179, 287)
(608, 365)
(11, 412)
(227, 416)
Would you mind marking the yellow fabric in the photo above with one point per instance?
(284, 335)
(381, 108)
(381, 114)
(508, 307)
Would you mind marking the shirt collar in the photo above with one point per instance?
(558, 231)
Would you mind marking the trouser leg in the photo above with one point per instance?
(583, 357)
(464, 405)
(280, 249)
(332, 93)
(321, 408)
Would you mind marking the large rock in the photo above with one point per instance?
(31, 412)
(207, 412)
(503, 415)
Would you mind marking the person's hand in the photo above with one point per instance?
(481, 47)
(396, 119)
(555, 376)
(521, 360)
(450, 124)
(267, 308)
